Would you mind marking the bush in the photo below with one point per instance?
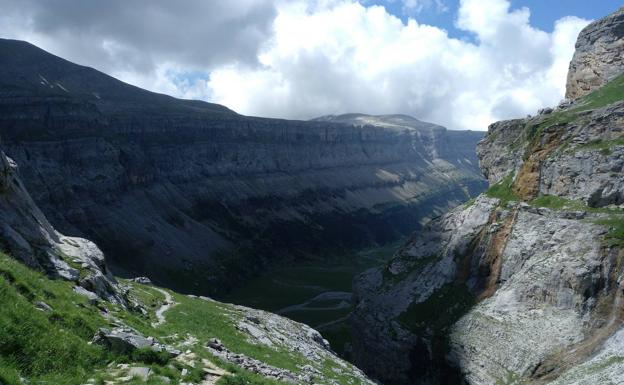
(149, 357)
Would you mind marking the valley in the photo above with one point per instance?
(315, 293)
(200, 198)
(146, 239)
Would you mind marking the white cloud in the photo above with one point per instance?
(417, 6)
(301, 59)
(346, 57)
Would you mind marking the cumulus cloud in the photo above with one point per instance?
(301, 59)
(347, 57)
(417, 6)
(140, 35)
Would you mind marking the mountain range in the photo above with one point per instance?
(198, 197)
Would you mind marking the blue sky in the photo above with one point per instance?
(543, 12)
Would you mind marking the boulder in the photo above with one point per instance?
(142, 280)
(126, 340)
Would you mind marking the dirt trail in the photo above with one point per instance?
(168, 304)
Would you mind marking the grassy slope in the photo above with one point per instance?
(44, 346)
(53, 346)
(611, 93)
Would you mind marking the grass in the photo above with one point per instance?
(610, 93)
(535, 131)
(244, 378)
(557, 203)
(45, 346)
(604, 146)
(206, 320)
(615, 236)
(53, 346)
(503, 190)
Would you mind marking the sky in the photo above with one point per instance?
(460, 63)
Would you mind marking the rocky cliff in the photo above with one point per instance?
(598, 57)
(26, 234)
(193, 194)
(77, 324)
(524, 284)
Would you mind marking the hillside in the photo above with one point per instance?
(522, 285)
(198, 197)
(66, 320)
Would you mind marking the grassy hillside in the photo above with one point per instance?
(46, 329)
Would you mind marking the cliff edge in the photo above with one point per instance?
(523, 285)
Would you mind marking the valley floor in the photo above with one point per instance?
(317, 293)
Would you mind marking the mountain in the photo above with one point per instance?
(198, 197)
(522, 285)
(455, 147)
(65, 320)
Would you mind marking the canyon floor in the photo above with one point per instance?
(316, 293)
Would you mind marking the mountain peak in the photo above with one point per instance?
(30, 70)
(392, 121)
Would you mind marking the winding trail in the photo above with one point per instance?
(160, 312)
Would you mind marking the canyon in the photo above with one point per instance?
(522, 284)
(198, 197)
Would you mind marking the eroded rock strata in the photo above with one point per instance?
(191, 193)
(524, 284)
(26, 234)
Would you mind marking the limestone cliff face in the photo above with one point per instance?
(598, 57)
(27, 235)
(524, 285)
(191, 193)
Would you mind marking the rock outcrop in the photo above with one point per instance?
(598, 57)
(524, 285)
(27, 235)
(124, 340)
(191, 194)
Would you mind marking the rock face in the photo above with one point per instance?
(524, 285)
(27, 235)
(190, 193)
(588, 174)
(598, 56)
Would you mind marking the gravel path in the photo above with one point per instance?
(168, 304)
